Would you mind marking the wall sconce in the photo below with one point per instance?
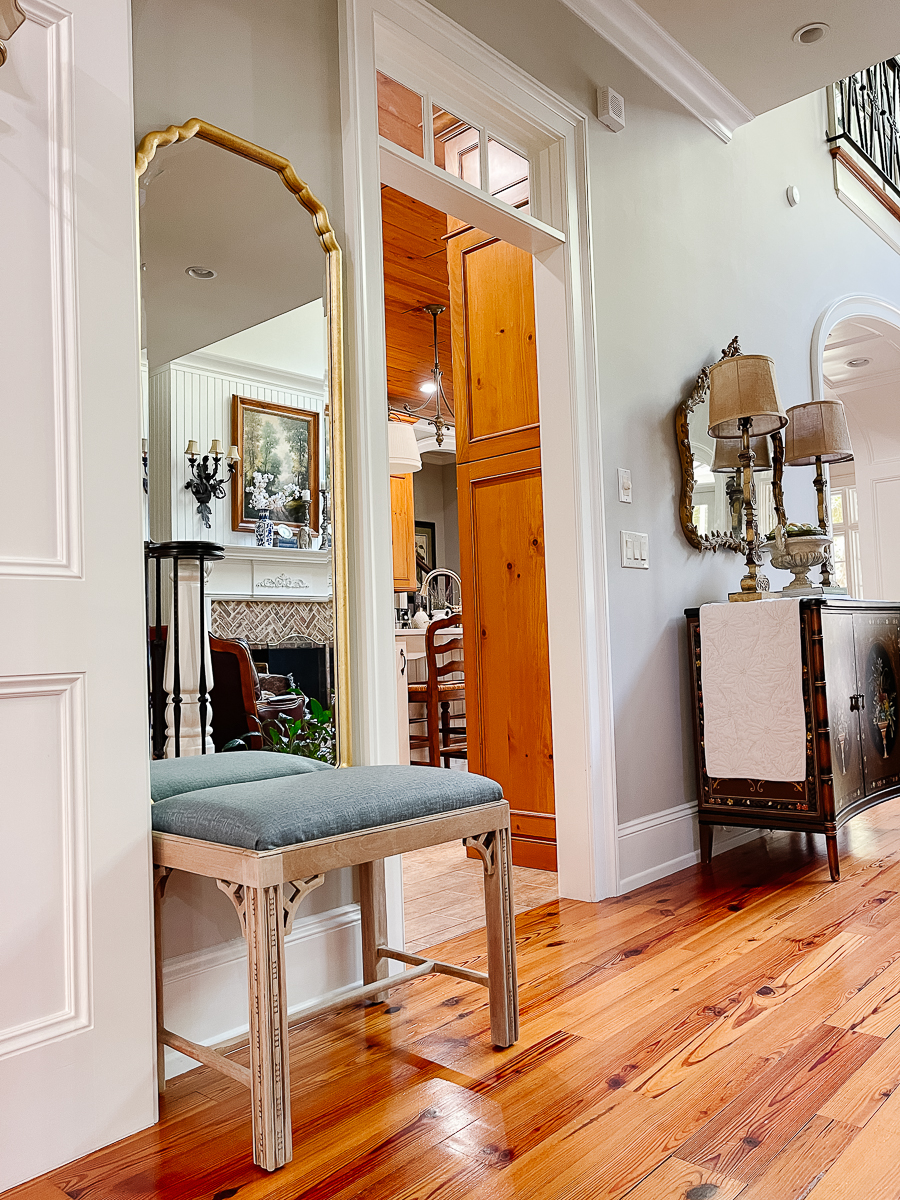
(205, 482)
(11, 17)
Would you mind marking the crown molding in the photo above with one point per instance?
(235, 369)
(633, 32)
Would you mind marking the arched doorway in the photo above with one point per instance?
(856, 357)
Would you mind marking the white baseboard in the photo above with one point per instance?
(665, 842)
(206, 991)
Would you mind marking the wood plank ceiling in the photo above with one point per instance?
(415, 274)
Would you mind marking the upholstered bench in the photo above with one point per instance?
(267, 827)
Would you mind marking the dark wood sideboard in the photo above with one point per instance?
(851, 667)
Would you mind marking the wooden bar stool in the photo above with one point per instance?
(267, 827)
(445, 740)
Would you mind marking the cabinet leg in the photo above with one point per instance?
(834, 862)
(706, 843)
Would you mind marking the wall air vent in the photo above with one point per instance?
(611, 109)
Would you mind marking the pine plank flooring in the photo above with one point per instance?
(728, 1033)
(443, 895)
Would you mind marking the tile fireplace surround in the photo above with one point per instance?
(271, 597)
(272, 622)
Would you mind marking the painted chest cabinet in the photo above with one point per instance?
(851, 666)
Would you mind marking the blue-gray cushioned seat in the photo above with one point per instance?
(172, 776)
(268, 814)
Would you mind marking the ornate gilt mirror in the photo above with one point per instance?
(242, 341)
(710, 502)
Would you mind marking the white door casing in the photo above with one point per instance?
(76, 1033)
(399, 36)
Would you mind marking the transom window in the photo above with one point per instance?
(453, 143)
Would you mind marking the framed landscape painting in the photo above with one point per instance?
(280, 441)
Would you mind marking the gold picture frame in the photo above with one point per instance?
(334, 315)
(285, 422)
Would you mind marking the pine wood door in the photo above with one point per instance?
(501, 535)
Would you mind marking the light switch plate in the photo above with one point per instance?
(624, 485)
(635, 549)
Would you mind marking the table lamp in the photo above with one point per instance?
(818, 434)
(726, 461)
(743, 405)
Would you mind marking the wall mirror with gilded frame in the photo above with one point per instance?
(242, 311)
(710, 501)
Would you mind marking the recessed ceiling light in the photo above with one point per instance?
(808, 35)
(201, 272)
(427, 388)
(858, 362)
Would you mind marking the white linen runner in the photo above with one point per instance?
(752, 678)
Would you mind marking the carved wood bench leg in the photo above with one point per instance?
(496, 857)
(160, 879)
(373, 921)
(270, 1085)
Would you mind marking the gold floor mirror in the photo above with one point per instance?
(216, 194)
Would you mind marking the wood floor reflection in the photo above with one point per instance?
(727, 1032)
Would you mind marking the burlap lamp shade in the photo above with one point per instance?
(817, 430)
(726, 458)
(744, 386)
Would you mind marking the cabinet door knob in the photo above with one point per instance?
(857, 702)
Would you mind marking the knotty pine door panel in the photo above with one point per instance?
(505, 633)
(494, 347)
(403, 533)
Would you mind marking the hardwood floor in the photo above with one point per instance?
(443, 894)
(727, 1032)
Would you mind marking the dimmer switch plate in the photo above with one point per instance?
(624, 485)
(635, 549)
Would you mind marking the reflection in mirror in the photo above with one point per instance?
(236, 350)
(718, 486)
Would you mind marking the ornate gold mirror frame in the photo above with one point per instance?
(716, 540)
(334, 316)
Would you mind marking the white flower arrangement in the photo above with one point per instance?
(263, 500)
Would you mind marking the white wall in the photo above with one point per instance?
(694, 241)
(872, 418)
(434, 494)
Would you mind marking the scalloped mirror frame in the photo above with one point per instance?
(715, 541)
(334, 312)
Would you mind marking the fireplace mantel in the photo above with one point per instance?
(254, 573)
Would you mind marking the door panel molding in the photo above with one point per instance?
(48, 859)
(44, 366)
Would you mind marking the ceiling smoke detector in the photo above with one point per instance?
(200, 272)
(858, 362)
(808, 35)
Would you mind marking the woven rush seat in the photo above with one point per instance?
(305, 806)
(267, 828)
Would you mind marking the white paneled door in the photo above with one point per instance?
(76, 1042)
